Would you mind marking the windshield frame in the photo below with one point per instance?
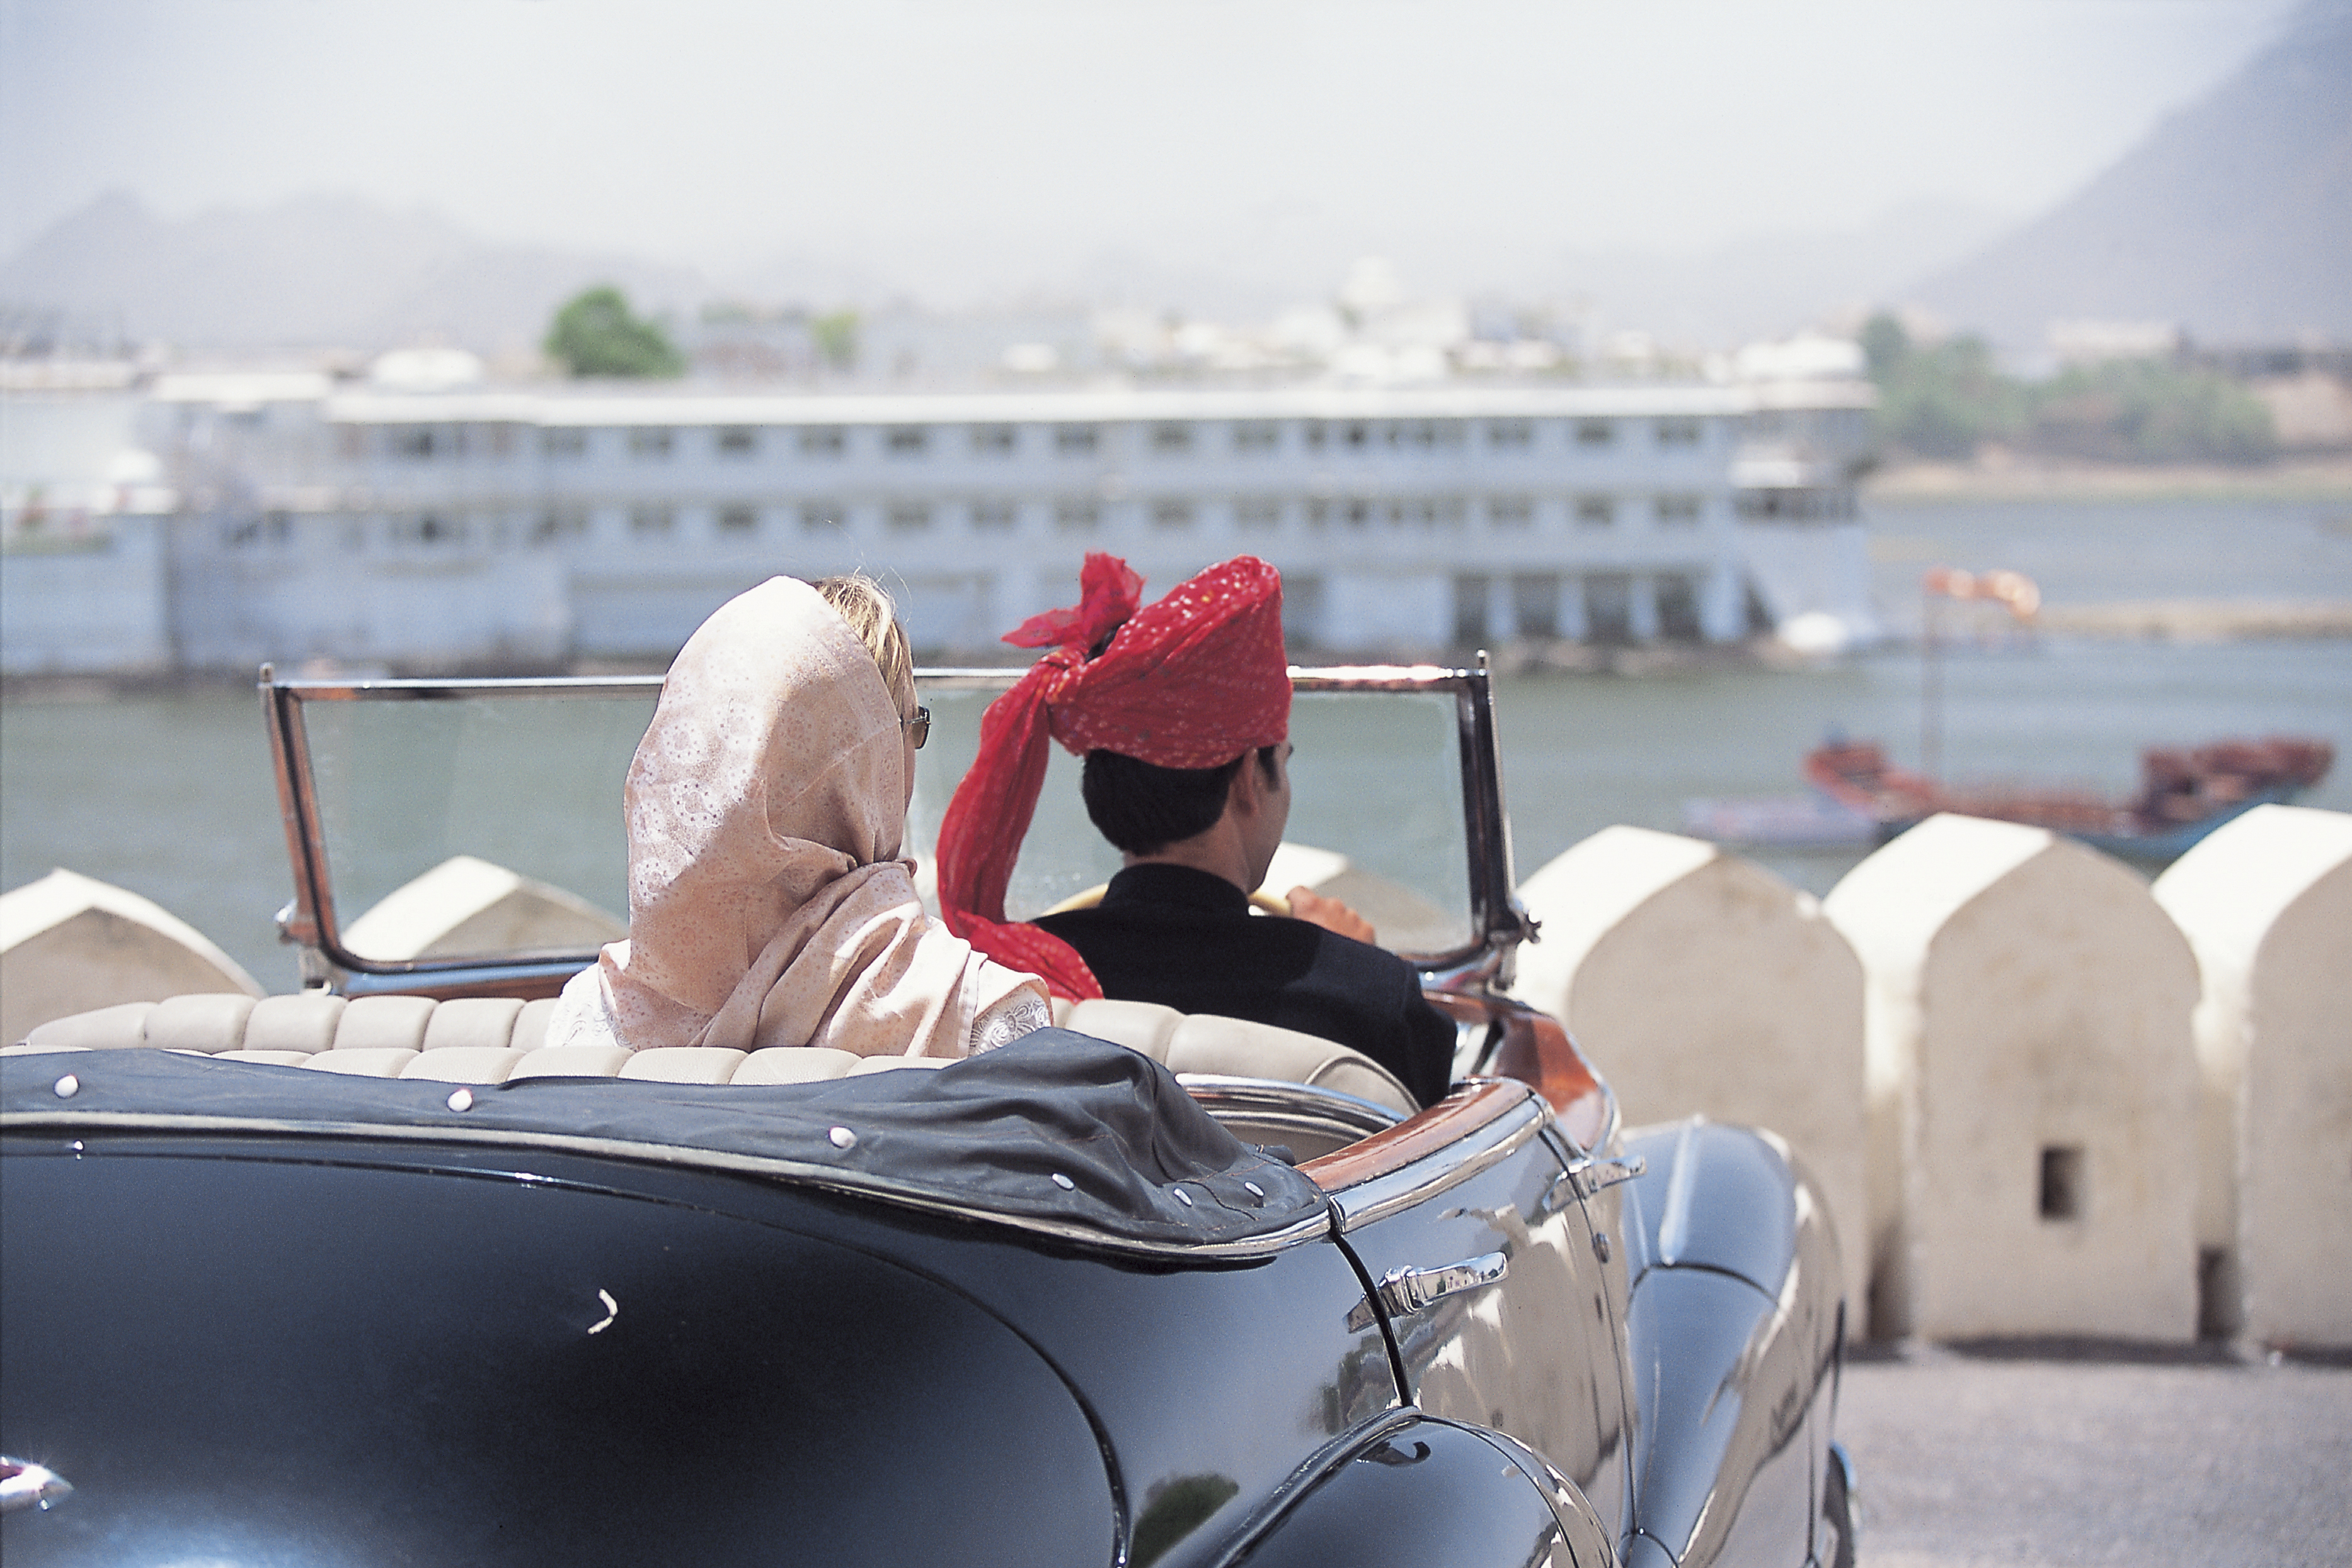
(1498, 921)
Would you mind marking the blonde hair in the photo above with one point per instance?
(860, 601)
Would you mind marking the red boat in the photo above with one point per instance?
(2184, 794)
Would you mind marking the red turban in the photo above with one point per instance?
(1194, 682)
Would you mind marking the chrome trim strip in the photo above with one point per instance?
(1311, 1228)
(1276, 1097)
(422, 689)
(385, 979)
(1303, 678)
(1392, 1192)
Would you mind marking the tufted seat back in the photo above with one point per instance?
(490, 1040)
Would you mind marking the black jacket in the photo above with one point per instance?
(1187, 939)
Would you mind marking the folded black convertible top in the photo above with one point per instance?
(1056, 1133)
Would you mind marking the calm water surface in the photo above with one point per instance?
(172, 797)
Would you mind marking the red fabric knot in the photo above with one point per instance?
(1194, 681)
(1108, 592)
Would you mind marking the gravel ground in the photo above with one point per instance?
(2028, 1455)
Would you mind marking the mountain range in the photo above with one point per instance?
(2232, 218)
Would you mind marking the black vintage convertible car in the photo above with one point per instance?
(368, 1275)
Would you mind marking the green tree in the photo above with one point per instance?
(596, 334)
(2146, 411)
(835, 337)
(1942, 401)
(1886, 345)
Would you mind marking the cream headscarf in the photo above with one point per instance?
(767, 905)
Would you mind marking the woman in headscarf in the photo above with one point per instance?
(768, 906)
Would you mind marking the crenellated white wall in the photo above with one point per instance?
(2267, 902)
(2027, 1019)
(1697, 981)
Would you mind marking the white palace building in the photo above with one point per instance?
(302, 518)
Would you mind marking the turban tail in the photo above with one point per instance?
(1194, 682)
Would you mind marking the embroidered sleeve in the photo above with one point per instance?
(1018, 1014)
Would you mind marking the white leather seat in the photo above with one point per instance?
(490, 1040)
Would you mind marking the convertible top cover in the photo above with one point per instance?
(1058, 1133)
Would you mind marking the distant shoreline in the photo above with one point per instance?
(2007, 477)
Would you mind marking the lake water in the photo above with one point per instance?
(172, 797)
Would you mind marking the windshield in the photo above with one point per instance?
(482, 821)
(1376, 817)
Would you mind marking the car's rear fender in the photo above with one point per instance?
(1412, 1489)
(1736, 1326)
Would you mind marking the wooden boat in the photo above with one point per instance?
(2185, 792)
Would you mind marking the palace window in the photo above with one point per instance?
(1678, 511)
(1609, 607)
(739, 520)
(1535, 604)
(1169, 440)
(1076, 517)
(1678, 609)
(1510, 511)
(1257, 516)
(1510, 435)
(416, 440)
(558, 524)
(1256, 435)
(563, 442)
(992, 440)
(650, 440)
(737, 440)
(1471, 593)
(1596, 433)
(1171, 516)
(429, 529)
(1076, 440)
(651, 522)
(907, 440)
(1425, 434)
(909, 517)
(995, 517)
(823, 518)
(823, 441)
(1679, 432)
(1595, 512)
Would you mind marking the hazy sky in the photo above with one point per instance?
(1466, 135)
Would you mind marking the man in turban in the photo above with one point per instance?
(1181, 712)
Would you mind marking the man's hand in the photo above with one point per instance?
(1329, 914)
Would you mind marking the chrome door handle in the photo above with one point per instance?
(1590, 1176)
(1404, 1291)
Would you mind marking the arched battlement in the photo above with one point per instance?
(1699, 982)
(2032, 1086)
(2267, 902)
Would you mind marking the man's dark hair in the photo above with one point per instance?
(1143, 808)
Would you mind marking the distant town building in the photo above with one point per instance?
(427, 520)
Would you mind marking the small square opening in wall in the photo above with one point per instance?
(2063, 1196)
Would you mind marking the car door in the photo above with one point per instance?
(1471, 1229)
